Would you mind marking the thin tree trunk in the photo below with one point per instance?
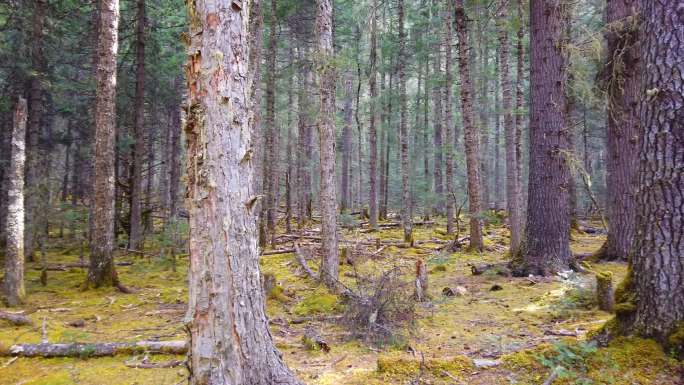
(622, 82)
(512, 187)
(520, 116)
(270, 140)
(229, 338)
(290, 148)
(484, 111)
(372, 130)
(136, 240)
(346, 143)
(13, 283)
(101, 271)
(546, 248)
(448, 116)
(427, 208)
(652, 302)
(35, 178)
(437, 125)
(500, 193)
(326, 131)
(406, 214)
(469, 130)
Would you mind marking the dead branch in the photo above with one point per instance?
(301, 259)
(101, 349)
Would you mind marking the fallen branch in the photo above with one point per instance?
(302, 261)
(77, 265)
(554, 375)
(47, 350)
(15, 319)
(153, 365)
(278, 251)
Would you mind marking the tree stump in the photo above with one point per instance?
(421, 281)
(604, 291)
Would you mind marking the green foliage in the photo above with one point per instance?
(319, 301)
(570, 360)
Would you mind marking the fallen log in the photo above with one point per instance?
(278, 251)
(47, 350)
(498, 268)
(153, 365)
(77, 265)
(15, 319)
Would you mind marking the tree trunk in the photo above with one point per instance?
(546, 248)
(13, 283)
(403, 131)
(229, 338)
(372, 130)
(101, 271)
(135, 240)
(304, 144)
(346, 143)
(520, 115)
(35, 175)
(290, 148)
(500, 193)
(256, 26)
(175, 162)
(652, 300)
(427, 204)
(622, 83)
(448, 116)
(484, 111)
(326, 132)
(270, 172)
(438, 186)
(469, 130)
(512, 187)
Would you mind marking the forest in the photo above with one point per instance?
(257, 192)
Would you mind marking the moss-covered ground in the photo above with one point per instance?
(525, 329)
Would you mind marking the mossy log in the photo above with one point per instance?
(47, 350)
(15, 319)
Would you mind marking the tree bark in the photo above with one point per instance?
(652, 298)
(448, 116)
(13, 283)
(437, 126)
(270, 139)
(520, 115)
(326, 132)
(101, 271)
(229, 338)
(346, 143)
(546, 249)
(35, 176)
(135, 239)
(372, 130)
(622, 83)
(304, 144)
(406, 215)
(512, 187)
(469, 130)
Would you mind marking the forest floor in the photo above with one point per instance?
(495, 330)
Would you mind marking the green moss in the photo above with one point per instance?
(320, 301)
(624, 308)
(675, 340)
(399, 365)
(438, 268)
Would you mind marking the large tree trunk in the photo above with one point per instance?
(229, 338)
(372, 130)
(652, 302)
(406, 214)
(13, 283)
(270, 140)
(135, 239)
(448, 116)
(438, 187)
(326, 132)
(512, 187)
(622, 83)
(546, 248)
(101, 271)
(469, 130)
(35, 175)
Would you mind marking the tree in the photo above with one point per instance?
(650, 302)
(135, 240)
(345, 187)
(229, 338)
(372, 130)
(13, 282)
(326, 133)
(256, 26)
(469, 129)
(621, 79)
(406, 214)
(270, 140)
(546, 247)
(437, 122)
(101, 271)
(512, 183)
(448, 117)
